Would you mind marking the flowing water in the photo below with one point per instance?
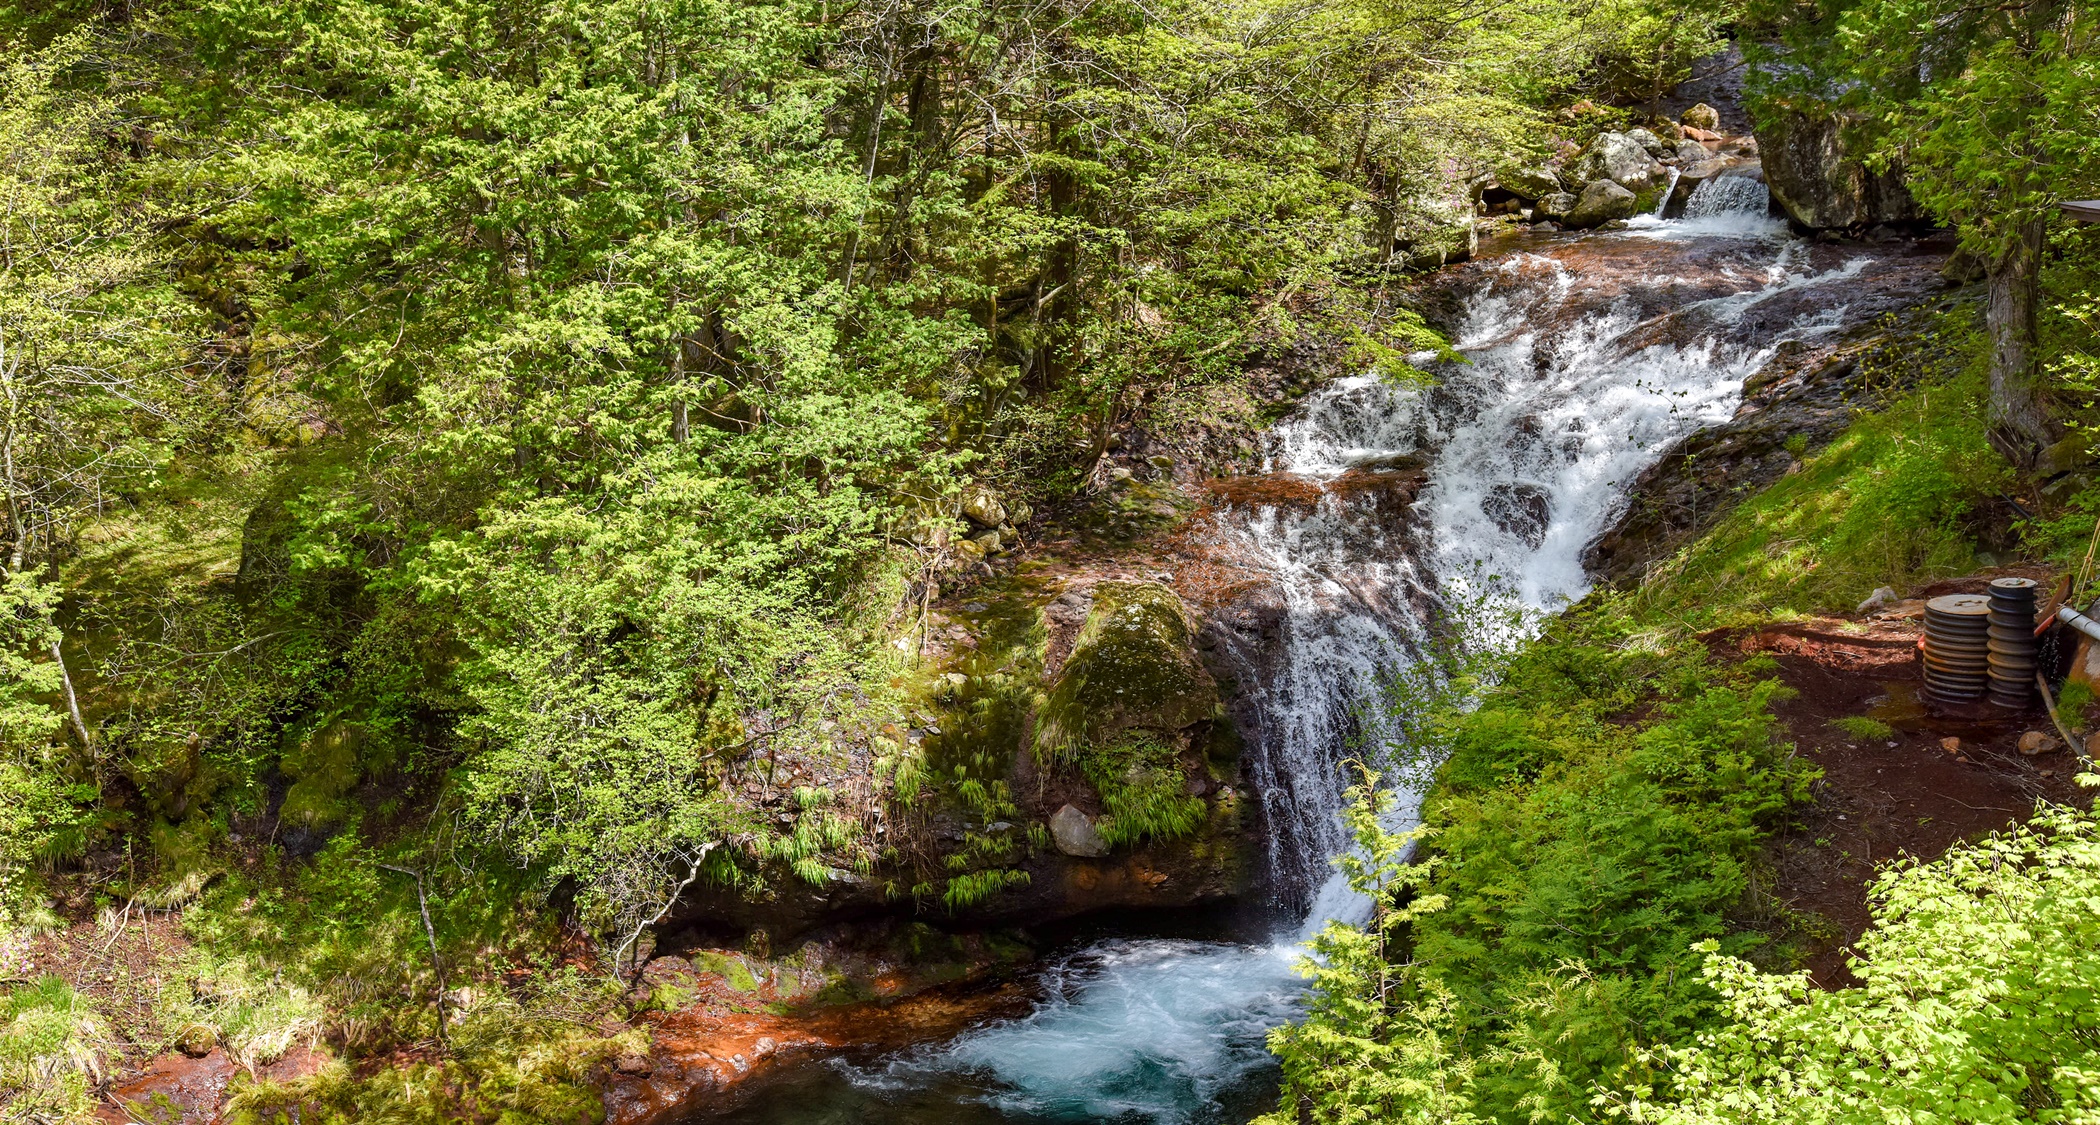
(1588, 355)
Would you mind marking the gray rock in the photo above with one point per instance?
(1699, 172)
(1523, 510)
(1649, 141)
(1431, 230)
(1702, 116)
(1554, 207)
(1528, 183)
(1600, 203)
(1616, 157)
(1691, 152)
(1881, 596)
(1821, 184)
(1074, 833)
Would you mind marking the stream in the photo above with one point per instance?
(1588, 355)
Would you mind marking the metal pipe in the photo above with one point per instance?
(2078, 621)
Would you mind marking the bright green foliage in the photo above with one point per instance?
(1990, 112)
(1572, 860)
(476, 432)
(1141, 782)
(1864, 727)
(1376, 1045)
(1579, 878)
(52, 1054)
(44, 813)
(1977, 1002)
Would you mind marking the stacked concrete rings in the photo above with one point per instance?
(1957, 647)
(2012, 646)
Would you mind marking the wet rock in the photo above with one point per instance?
(1702, 116)
(197, 1041)
(1523, 510)
(1075, 834)
(631, 1064)
(1601, 202)
(1951, 744)
(1690, 152)
(1616, 157)
(1554, 207)
(1700, 171)
(1823, 185)
(1802, 398)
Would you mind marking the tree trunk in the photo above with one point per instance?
(2023, 423)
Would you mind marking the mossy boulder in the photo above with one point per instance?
(1133, 665)
(1601, 202)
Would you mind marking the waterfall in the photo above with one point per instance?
(1587, 356)
(1669, 189)
(1728, 195)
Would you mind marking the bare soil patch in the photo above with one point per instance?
(1881, 800)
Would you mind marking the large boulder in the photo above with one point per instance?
(1528, 183)
(1702, 116)
(1616, 157)
(1133, 664)
(1823, 185)
(1432, 230)
(1653, 144)
(982, 506)
(1600, 203)
(1554, 207)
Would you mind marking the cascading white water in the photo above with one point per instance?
(1732, 204)
(1570, 392)
(1663, 204)
(1727, 195)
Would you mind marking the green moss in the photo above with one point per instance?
(1131, 512)
(729, 967)
(1132, 665)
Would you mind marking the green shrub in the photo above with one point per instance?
(1598, 813)
(1978, 1003)
(52, 1046)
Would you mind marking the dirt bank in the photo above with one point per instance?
(1884, 799)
